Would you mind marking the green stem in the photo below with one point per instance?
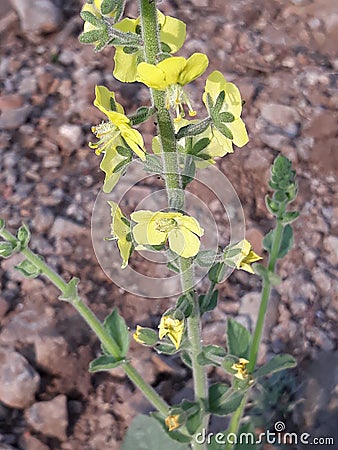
(166, 131)
(235, 421)
(266, 290)
(196, 347)
(93, 322)
(257, 336)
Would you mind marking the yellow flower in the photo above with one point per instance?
(145, 336)
(115, 133)
(120, 228)
(172, 36)
(155, 228)
(172, 422)
(225, 132)
(246, 257)
(173, 328)
(242, 373)
(171, 75)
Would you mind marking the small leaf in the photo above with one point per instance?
(223, 400)
(185, 304)
(199, 146)
(118, 330)
(205, 258)
(226, 117)
(193, 415)
(23, 235)
(105, 362)
(6, 249)
(153, 164)
(290, 216)
(2, 224)
(286, 241)
(148, 433)
(208, 303)
(120, 166)
(219, 102)
(89, 17)
(189, 172)
(107, 6)
(272, 206)
(89, 37)
(193, 129)
(225, 130)
(124, 151)
(70, 293)
(28, 269)
(276, 364)
(166, 347)
(216, 273)
(211, 355)
(238, 339)
(186, 359)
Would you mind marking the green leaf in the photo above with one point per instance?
(193, 415)
(286, 241)
(118, 330)
(70, 293)
(238, 339)
(23, 236)
(271, 206)
(276, 364)
(186, 359)
(6, 249)
(226, 117)
(120, 166)
(141, 115)
(211, 355)
(290, 216)
(206, 258)
(219, 102)
(89, 17)
(153, 164)
(146, 433)
(105, 362)
(147, 336)
(89, 37)
(2, 224)
(193, 129)
(224, 130)
(28, 269)
(208, 303)
(248, 437)
(123, 151)
(199, 146)
(166, 347)
(223, 400)
(107, 6)
(185, 304)
(189, 172)
(216, 273)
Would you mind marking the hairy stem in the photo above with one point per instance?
(93, 322)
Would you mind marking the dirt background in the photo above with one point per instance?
(283, 56)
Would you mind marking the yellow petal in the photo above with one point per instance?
(117, 118)
(118, 227)
(146, 233)
(124, 248)
(233, 99)
(151, 76)
(172, 33)
(126, 25)
(190, 223)
(125, 69)
(142, 216)
(109, 162)
(183, 242)
(238, 130)
(172, 67)
(214, 85)
(223, 142)
(134, 140)
(102, 100)
(194, 67)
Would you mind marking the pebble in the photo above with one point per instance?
(63, 228)
(49, 418)
(37, 16)
(14, 118)
(29, 442)
(51, 353)
(331, 247)
(43, 219)
(19, 382)
(73, 133)
(279, 115)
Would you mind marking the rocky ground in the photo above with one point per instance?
(283, 57)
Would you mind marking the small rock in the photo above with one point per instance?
(255, 237)
(65, 228)
(11, 101)
(331, 246)
(257, 161)
(52, 353)
(279, 115)
(28, 85)
(43, 220)
(249, 307)
(29, 442)
(51, 161)
(37, 16)
(18, 380)
(72, 133)
(49, 418)
(14, 118)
